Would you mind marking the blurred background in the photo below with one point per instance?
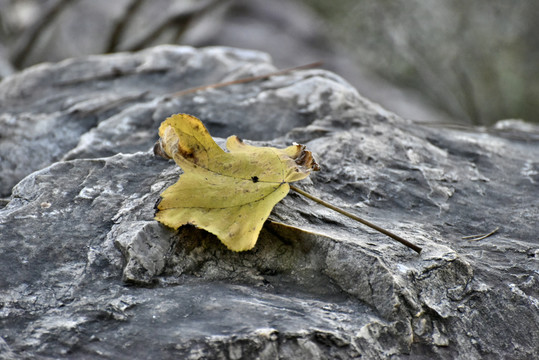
(448, 61)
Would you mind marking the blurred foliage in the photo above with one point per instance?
(475, 60)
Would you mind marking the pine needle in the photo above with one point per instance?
(480, 236)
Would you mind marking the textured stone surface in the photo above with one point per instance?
(88, 273)
(100, 106)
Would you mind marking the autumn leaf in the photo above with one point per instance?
(230, 194)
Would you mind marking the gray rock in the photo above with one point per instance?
(99, 106)
(88, 273)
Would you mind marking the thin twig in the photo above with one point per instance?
(480, 236)
(246, 79)
(357, 218)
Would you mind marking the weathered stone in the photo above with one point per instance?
(103, 105)
(88, 273)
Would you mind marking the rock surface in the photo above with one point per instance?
(87, 272)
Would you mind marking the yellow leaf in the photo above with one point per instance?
(230, 194)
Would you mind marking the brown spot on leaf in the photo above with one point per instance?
(305, 159)
(188, 153)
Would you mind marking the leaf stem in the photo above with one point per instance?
(357, 218)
